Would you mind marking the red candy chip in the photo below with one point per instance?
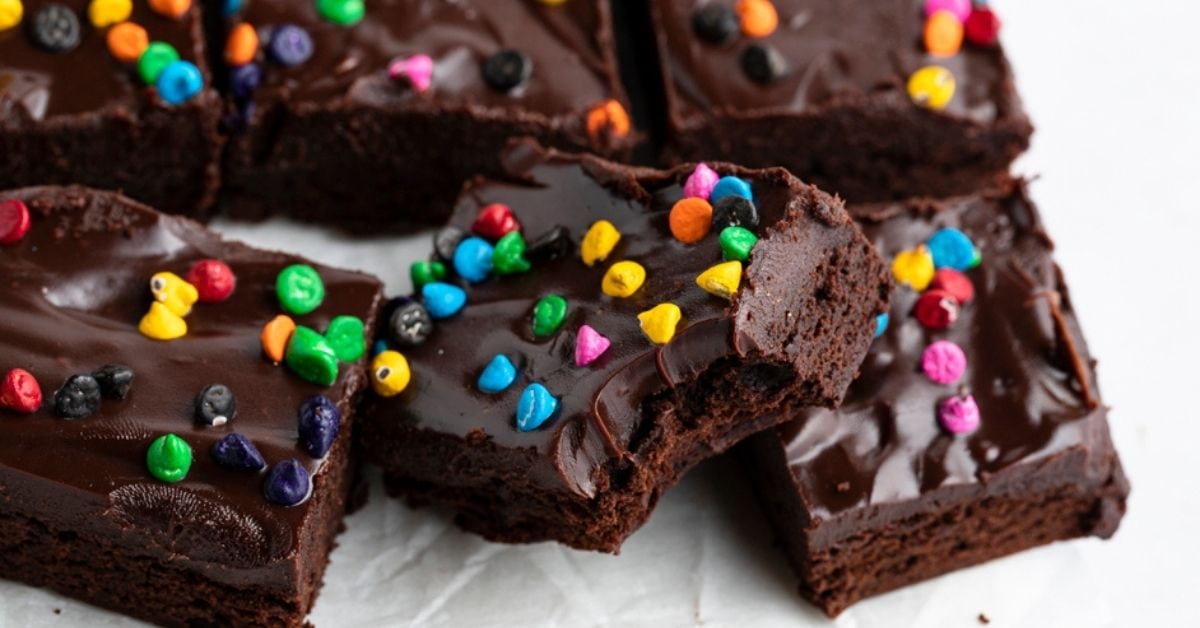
(982, 27)
(14, 221)
(214, 280)
(936, 309)
(494, 221)
(20, 392)
(954, 282)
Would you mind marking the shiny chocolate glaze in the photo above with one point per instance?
(603, 407)
(74, 290)
(39, 85)
(883, 452)
(837, 51)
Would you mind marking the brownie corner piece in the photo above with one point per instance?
(153, 459)
(976, 427)
(567, 394)
(73, 112)
(824, 90)
(385, 118)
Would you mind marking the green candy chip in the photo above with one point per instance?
(736, 243)
(169, 458)
(300, 289)
(548, 315)
(426, 272)
(157, 56)
(311, 357)
(342, 12)
(508, 257)
(345, 335)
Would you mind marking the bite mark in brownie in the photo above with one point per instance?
(876, 495)
(837, 112)
(80, 511)
(630, 423)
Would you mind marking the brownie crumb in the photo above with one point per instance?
(58, 611)
(843, 487)
(983, 619)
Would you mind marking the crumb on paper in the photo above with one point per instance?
(58, 611)
(983, 619)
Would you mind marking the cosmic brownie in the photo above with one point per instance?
(553, 388)
(975, 428)
(152, 459)
(375, 120)
(113, 94)
(872, 100)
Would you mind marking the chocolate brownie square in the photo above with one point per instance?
(112, 98)
(375, 120)
(591, 368)
(821, 87)
(975, 429)
(189, 481)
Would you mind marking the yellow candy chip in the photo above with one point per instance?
(601, 238)
(10, 13)
(174, 292)
(913, 268)
(659, 322)
(108, 12)
(623, 279)
(160, 323)
(932, 86)
(390, 374)
(721, 280)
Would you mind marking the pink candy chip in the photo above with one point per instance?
(943, 362)
(417, 70)
(700, 183)
(589, 345)
(960, 8)
(959, 414)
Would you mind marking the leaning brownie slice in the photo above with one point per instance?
(187, 481)
(975, 428)
(587, 372)
(846, 94)
(382, 115)
(95, 94)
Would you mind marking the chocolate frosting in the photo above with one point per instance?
(602, 405)
(568, 45)
(37, 85)
(74, 290)
(1027, 367)
(837, 51)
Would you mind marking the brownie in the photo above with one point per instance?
(338, 137)
(881, 493)
(825, 95)
(78, 114)
(97, 502)
(627, 424)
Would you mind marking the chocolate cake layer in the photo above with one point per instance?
(631, 422)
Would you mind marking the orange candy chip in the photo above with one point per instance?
(943, 34)
(127, 41)
(608, 115)
(275, 337)
(758, 17)
(691, 220)
(170, 8)
(242, 45)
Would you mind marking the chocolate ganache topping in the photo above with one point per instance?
(75, 287)
(602, 406)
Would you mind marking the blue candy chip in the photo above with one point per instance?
(881, 324)
(535, 407)
(232, 6)
(379, 346)
(951, 248)
(179, 82)
(443, 300)
(730, 186)
(473, 259)
(290, 45)
(498, 375)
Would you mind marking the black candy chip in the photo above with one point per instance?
(215, 405)
(79, 397)
(445, 241)
(115, 380)
(552, 245)
(410, 325)
(716, 23)
(734, 211)
(506, 70)
(55, 28)
(763, 64)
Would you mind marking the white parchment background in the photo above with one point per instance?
(1114, 88)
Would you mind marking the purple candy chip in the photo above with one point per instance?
(236, 453)
(287, 483)
(320, 420)
(290, 45)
